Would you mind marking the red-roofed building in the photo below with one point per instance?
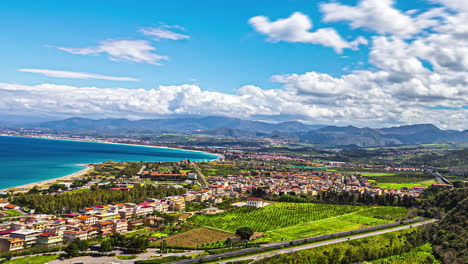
(49, 239)
(255, 202)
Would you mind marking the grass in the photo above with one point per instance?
(79, 190)
(126, 257)
(398, 186)
(198, 237)
(13, 212)
(375, 174)
(33, 260)
(274, 216)
(361, 219)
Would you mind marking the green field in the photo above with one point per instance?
(13, 212)
(369, 217)
(398, 186)
(33, 260)
(285, 215)
(375, 174)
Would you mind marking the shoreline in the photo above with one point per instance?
(88, 167)
(39, 184)
(219, 156)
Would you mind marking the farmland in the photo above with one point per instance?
(370, 217)
(279, 215)
(197, 237)
(409, 185)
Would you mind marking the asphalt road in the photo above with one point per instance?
(298, 248)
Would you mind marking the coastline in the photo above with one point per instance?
(44, 183)
(88, 167)
(219, 156)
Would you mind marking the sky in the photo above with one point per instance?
(368, 63)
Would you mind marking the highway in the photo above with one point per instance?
(294, 249)
(440, 178)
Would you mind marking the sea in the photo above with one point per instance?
(25, 160)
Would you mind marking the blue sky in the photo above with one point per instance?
(221, 47)
(223, 51)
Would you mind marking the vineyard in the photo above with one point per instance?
(274, 216)
(372, 216)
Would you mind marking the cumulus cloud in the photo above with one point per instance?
(139, 51)
(380, 16)
(408, 77)
(164, 32)
(76, 75)
(296, 28)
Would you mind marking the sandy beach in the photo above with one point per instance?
(42, 184)
(76, 175)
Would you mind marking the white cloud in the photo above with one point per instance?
(76, 75)
(380, 16)
(164, 32)
(139, 51)
(296, 28)
(408, 76)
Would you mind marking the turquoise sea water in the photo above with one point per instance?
(25, 160)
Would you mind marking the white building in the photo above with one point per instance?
(255, 202)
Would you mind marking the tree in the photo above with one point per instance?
(72, 250)
(106, 246)
(245, 233)
(137, 243)
(82, 245)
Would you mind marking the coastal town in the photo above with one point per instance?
(192, 209)
(253, 178)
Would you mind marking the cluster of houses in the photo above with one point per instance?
(306, 183)
(98, 220)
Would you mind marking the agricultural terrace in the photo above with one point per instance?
(197, 237)
(281, 215)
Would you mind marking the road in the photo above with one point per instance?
(440, 178)
(151, 252)
(298, 248)
(201, 177)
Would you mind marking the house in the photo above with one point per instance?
(11, 206)
(72, 235)
(135, 223)
(49, 239)
(87, 219)
(104, 228)
(29, 236)
(3, 203)
(120, 226)
(6, 233)
(255, 202)
(8, 244)
(210, 211)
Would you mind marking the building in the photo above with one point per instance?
(255, 202)
(120, 226)
(87, 219)
(72, 235)
(9, 244)
(211, 210)
(29, 236)
(49, 239)
(104, 228)
(3, 203)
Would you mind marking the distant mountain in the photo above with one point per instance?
(230, 132)
(180, 125)
(347, 136)
(368, 137)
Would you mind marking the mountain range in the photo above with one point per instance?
(235, 127)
